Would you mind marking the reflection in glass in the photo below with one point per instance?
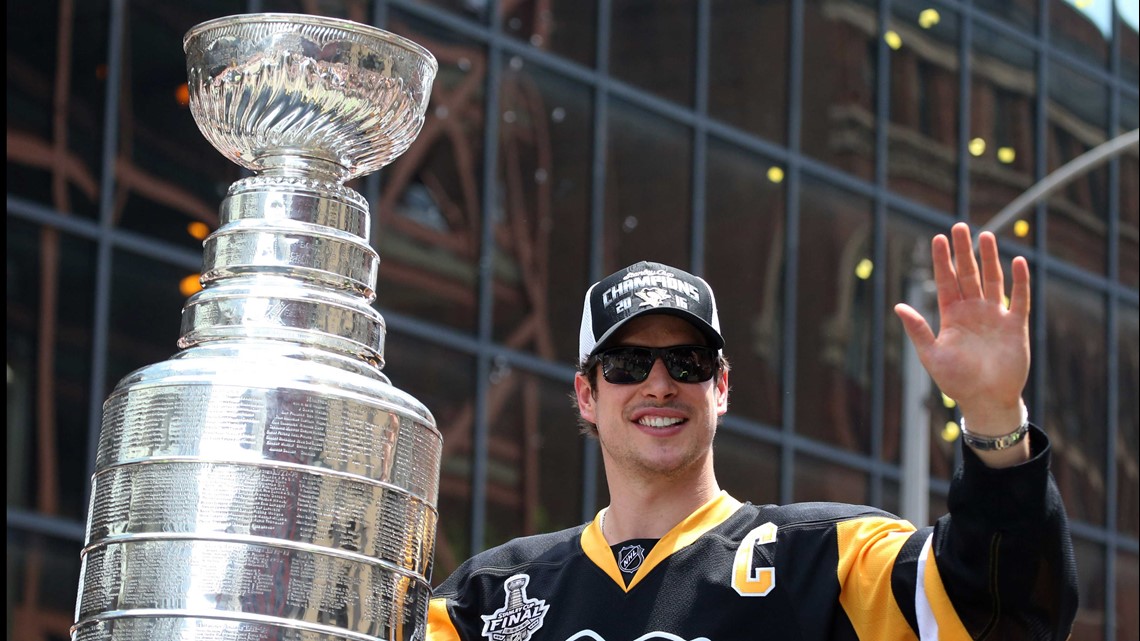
(1003, 90)
(652, 46)
(922, 146)
(534, 468)
(1078, 213)
(55, 105)
(1128, 422)
(839, 98)
(744, 262)
(648, 190)
(428, 220)
(50, 296)
(565, 27)
(748, 75)
(1076, 403)
(819, 480)
(834, 311)
(542, 231)
(746, 468)
(444, 381)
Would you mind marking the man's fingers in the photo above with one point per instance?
(1019, 296)
(916, 327)
(993, 279)
(965, 264)
(945, 277)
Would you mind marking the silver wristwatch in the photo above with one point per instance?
(994, 443)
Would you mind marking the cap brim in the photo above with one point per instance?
(711, 335)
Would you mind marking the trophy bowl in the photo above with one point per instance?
(295, 93)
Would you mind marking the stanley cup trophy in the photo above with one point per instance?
(268, 482)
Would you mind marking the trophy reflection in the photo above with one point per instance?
(268, 481)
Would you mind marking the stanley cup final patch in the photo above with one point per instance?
(519, 618)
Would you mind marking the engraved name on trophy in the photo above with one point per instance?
(268, 481)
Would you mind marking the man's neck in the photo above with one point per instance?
(650, 510)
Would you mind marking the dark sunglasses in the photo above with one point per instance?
(685, 363)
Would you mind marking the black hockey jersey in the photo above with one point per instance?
(999, 566)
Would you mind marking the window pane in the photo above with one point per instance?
(167, 174)
(1077, 226)
(50, 295)
(748, 66)
(564, 27)
(542, 233)
(143, 334)
(923, 140)
(534, 477)
(819, 480)
(747, 468)
(56, 163)
(833, 318)
(428, 220)
(652, 46)
(1126, 27)
(840, 44)
(1127, 595)
(648, 190)
(1075, 406)
(1002, 148)
(43, 581)
(1128, 423)
(744, 260)
(1082, 29)
(444, 381)
(1022, 15)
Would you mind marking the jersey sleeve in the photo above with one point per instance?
(1000, 564)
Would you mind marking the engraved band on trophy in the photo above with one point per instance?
(268, 481)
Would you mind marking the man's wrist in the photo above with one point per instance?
(1001, 442)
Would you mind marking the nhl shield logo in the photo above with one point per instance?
(519, 618)
(631, 557)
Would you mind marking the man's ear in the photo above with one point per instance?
(721, 393)
(585, 396)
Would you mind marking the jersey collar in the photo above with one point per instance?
(683, 534)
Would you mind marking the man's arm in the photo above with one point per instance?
(1003, 556)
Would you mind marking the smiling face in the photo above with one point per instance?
(658, 428)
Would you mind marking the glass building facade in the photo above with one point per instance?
(799, 154)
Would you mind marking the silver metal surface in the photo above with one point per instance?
(268, 481)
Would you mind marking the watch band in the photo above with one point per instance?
(994, 443)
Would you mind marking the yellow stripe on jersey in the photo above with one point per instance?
(867, 551)
(439, 625)
(682, 535)
(950, 627)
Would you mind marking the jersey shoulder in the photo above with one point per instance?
(516, 555)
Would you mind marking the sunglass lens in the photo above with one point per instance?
(629, 365)
(689, 364)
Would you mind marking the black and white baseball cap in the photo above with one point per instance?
(646, 288)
